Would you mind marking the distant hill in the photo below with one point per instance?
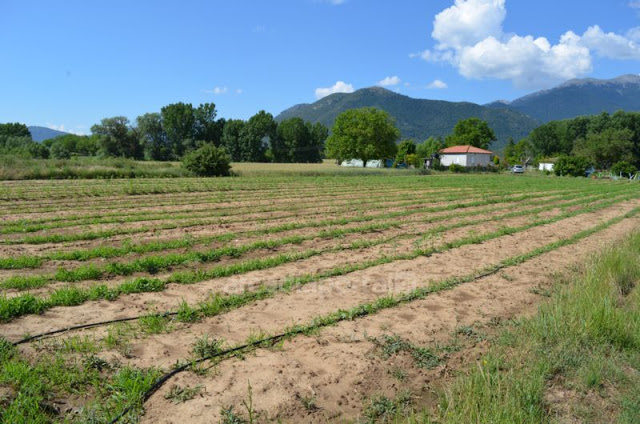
(579, 97)
(416, 118)
(44, 133)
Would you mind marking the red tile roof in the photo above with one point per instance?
(464, 149)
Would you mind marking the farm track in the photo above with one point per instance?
(329, 256)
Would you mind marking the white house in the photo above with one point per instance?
(465, 156)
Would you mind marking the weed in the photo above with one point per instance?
(205, 347)
(179, 394)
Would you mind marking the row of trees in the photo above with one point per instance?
(15, 139)
(176, 130)
(601, 140)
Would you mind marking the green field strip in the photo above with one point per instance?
(24, 304)
(128, 202)
(36, 261)
(203, 204)
(28, 227)
(159, 186)
(93, 235)
(33, 261)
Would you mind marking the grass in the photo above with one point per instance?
(15, 168)
(583, 345)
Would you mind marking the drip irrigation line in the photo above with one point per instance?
(154, 388)
(85, 326)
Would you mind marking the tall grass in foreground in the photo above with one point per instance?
(577, 360)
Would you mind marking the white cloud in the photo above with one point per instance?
(77, 131)
(437, 85)
(389, 81)
(470, 37)
(611, 45)
(217, 91)
(468, 22)
(239, 91)
(338, 87)
(634, 4)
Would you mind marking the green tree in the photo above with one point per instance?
(231, 140)
(178, 121)
(365, 134)
(208, 161)
(73, 145)
(623, 168)
(406, 147)
(606, 148)
(154, 138)
(473, 132)
(256, 135)
(551, 139)
(522, 152)
(509, 152)
(429, 147)
(298, 141)
(117, 138)
(14, 129)
(205, 126)
(314, 151)
(571, 166)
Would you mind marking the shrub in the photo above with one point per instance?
(208, 161)
(456, 169)
(623, 168)
(571, 165)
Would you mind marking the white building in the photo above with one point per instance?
(545, 166)
(357, 163)
(465, 156)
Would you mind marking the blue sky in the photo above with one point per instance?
(69, 63)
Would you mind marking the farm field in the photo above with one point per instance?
(300, 298)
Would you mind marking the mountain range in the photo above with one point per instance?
(44, 133)
(422, 118)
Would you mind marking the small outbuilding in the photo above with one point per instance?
(546, 164)
(357, 163)
(467, 156)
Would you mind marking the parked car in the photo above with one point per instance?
(517, 169)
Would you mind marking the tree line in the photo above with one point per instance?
(176, 130)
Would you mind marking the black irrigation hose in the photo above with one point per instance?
(84, 326)
(269, 340)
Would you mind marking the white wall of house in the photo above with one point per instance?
(466, 159)
(545, 166)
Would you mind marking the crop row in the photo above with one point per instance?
(211, 212)
(100, 234)
(71, 296)
(108, 252)
(72, 189)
